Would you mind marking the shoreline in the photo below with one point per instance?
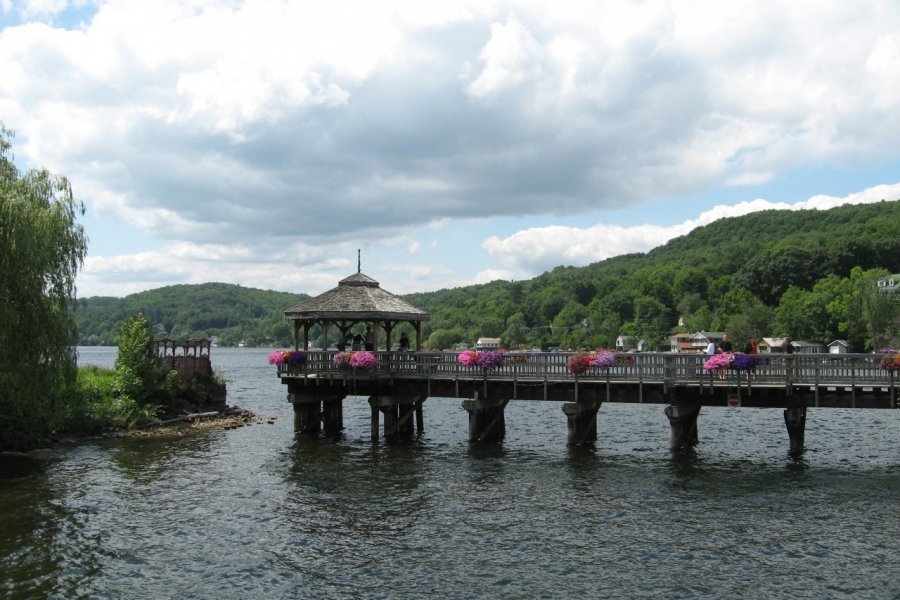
(229, 417)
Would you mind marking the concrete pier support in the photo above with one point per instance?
(307, 415)
(403, 416)
(683, 426)
(582, 422)
(795, 420)
(486, 420)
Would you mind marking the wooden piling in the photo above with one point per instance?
(683, 426)
(308, 416)
(487, 422)
(582, 422)
(795, 420)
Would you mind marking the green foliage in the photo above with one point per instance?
(729, 274)
(230, 312)
(41, 249)
(137, 366)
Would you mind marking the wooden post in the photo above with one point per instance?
(375, 419)
(582, 422)
(683, 426)
(795, 420)
(333, 415)
(308, 416)
(486, 420)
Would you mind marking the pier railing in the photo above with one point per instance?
(814, 370)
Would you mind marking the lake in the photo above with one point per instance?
(258, 512)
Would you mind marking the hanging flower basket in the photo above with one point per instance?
(287, 357)
(359, 359)
(487, 360)
(363, 360)
(719, 361)
(580, 362)
(890, 362)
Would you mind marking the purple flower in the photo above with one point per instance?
(743, 361)
(604, 359)
(490, 359)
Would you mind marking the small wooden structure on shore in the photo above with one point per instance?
(188, 358)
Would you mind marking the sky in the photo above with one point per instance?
(266, 142)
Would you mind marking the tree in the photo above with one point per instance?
(137, 376)
(41, 249)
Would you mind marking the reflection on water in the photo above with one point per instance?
(259, 512)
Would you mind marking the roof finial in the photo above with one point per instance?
(358, 261)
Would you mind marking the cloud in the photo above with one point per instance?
(271, 124)
(535, 250)
(373, 111)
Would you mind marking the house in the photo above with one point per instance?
(839, 347)
(700, 340)
(888, 286)
(804, 347)
(626, 343)
(681, 342)
(769, 345)
(487, 343)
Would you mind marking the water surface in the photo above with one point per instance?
(258, 512)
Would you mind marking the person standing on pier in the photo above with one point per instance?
(710, 347)
(370, 339)
(725, 346)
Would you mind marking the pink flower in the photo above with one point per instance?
(276, 358)
(468, 358)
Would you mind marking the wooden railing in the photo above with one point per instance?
(819, 370)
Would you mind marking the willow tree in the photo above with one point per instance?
(41, 249)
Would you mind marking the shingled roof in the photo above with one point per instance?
(358, 297)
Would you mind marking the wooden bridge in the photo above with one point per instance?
(399, 384)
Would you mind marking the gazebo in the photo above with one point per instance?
(357, 299)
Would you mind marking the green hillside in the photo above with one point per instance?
(230, 312)
(808, 274)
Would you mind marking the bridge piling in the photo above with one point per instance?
(682, 425)
(582, 422)
(487, 422)
(403, 415)
(307, 415)
(795, 420)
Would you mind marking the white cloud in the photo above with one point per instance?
(270, 123)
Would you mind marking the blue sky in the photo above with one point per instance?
(263, 142)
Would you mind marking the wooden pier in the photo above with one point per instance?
(401, 382)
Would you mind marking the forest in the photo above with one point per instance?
(809, 274)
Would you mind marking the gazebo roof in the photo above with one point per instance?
(357, 297)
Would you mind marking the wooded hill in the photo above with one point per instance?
(808, 274)
(230, 312)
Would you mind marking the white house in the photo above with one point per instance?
(888, 285)
(487, 343)
(839, 347)
(626, 343)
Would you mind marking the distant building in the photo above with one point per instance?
(487, 343)
(888, 286)
(699, 340)
(626, 343)
(839, 347)
(681, 342)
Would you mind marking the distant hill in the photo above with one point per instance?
(776, 272)
(231, 312)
